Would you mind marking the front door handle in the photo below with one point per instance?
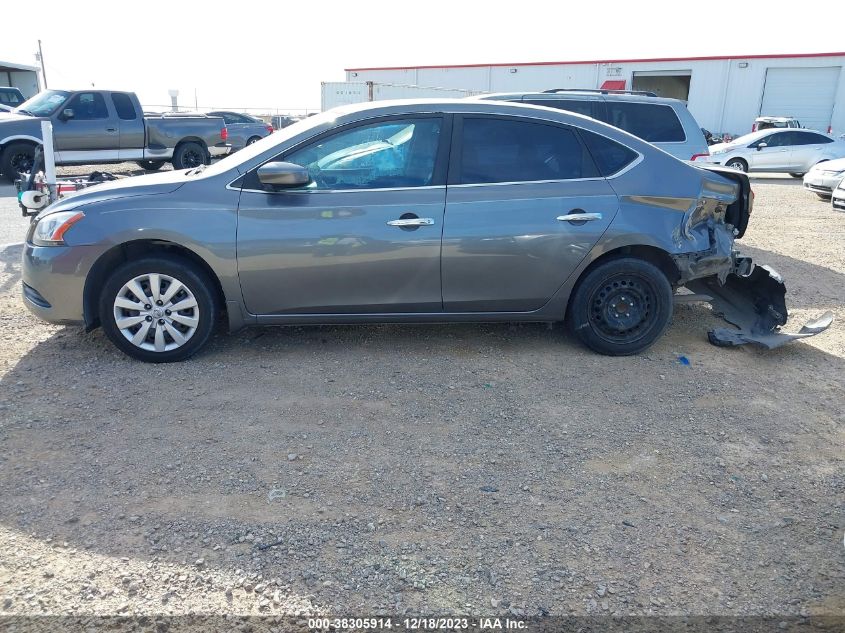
(411, 222)
(579, 217)
(111, 129)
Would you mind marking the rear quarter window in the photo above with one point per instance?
(570, 105)
(652, 122)
(610, 157)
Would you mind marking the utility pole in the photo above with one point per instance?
(41, 59)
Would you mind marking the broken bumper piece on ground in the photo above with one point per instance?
(756, 304)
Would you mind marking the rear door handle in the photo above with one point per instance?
(411, 222)
(111, 129)
(579, 217)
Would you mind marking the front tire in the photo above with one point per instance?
(158, 309)
(17, 158)
(253, 139)
(737, 163)
(796, 175)
(621, 307)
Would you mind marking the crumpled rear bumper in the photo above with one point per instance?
(753, 298)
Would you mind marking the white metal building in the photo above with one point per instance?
(725, 94)
(24, 78)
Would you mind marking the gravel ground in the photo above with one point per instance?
(484, 469)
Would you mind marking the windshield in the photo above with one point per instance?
(44, 103)
(748, 138)
(272, 141)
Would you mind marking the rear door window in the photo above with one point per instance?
(807, 138)
(652, 122)
(123, 106)
(516, 150)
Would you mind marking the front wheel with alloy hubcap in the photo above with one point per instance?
(158, 309)
(621, 307)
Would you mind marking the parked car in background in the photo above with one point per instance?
(10, 97)
(663, 122)
(346, 217)
(837, 200)
(771, 122)
(776, 150)
(280, 121)
(824, 177)
(104, 126)
(243, 129)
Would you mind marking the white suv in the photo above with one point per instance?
(769, 122)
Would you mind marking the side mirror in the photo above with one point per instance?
(282, 174)
(762, 146)
(67, 114)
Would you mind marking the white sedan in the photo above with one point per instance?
(824, 177)
(789, 150)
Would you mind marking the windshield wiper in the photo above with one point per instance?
(24, 111)
(196, 170)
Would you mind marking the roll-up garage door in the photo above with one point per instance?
(804, 93)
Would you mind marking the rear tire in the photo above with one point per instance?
(17, 159)
(158, 309)
(621, 307)
(189, 155)
(737, 163)
(150, 165)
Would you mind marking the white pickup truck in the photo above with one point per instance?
(105, 126)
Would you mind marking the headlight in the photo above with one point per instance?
(51, 229)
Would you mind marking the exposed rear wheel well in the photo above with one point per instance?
(652, 254)
(133, 250)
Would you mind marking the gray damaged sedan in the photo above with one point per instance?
(423, 211)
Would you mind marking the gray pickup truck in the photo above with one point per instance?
(105, 126)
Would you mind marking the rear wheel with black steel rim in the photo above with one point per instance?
(621, 307)
(190, 155)
(158, 309)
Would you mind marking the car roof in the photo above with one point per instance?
(775, 118)
(588, 93)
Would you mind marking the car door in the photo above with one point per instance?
(770, 153)
(91, 134)
(512, 232)
(130, 127)
(363, 237)
(807, 148)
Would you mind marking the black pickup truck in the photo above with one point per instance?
(105, 126)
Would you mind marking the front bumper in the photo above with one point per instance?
(753, 298)
(838, 199)
(821, 182)
(54, 281)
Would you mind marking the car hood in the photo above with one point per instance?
(837, 164)
(149, 185)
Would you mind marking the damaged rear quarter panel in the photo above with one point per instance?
(684, 215)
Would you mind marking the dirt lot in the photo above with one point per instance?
(434, 469)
